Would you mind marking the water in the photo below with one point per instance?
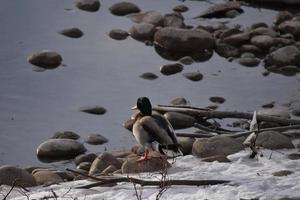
(102, 71)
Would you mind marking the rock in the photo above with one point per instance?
(142, 31)
(124, 8)
(151, 17)
(232, 13)
(149, 76)
(269, 105)
(187, 60)
(179, 120)
(292, 27)
(264, 31)
(247, 55)
(88, 5)
(259, 25)
(170, 69)
(275, 113)
(294, 156)
(46, 177)
(174, 20)
(229, 32)
(226, 50)
(296, 112)
(219, 10)
(95, 139)
(280, 41)
(262, 41)
(179, 101)
(274, 140)
(102, 162)
(217, 145)
(8, 174)
(30, 168)
(84, 166)
(289, 70)
(85, 158)
(219, 158)
(237, 39)
(118, 34)
(249, 62)
(289, 55)
(186, 144)
(109, 170)
(96, 110)
(281, 17)
(250, 49)
(180, 8)
(45, 59)
(72, 32)
(282, 173)
(218, 100)
(193, 76)
(65, 135)
(212, 26)
(154, 164)
(60, 148)
(184, 40)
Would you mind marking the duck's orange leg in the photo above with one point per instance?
(145, 157)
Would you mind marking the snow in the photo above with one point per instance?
(249, 178)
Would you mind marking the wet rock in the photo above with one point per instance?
(60, 148)
(259, 25)
(219, 158)
(229, 32)
(226, 50)
(269, 105)
(289, 70)
(249, 62)
(292, 27)
(109, 170)
(174, 20)
(264, 31)
(170, 69)
(294, 156)
(118, 34)
(262, 41)
(186, 144)
(212, 26)
(187, 60)
(8, 174)
(72, 32)
(149, 76)
(154, 164)
(274, 140)
(275, 113)
(85, 158)
(142, 31)
(218, 100)
(180, 8)
(232, 13)
(219, 10)
(151, 17)
(289, 55)
(179, 101)
(124, 8)
(176, 39)
(96, 110)
(84, 166)
(282, 173)
(66, 176)
(96, 139)
(30, 168)
(250, 49)
(217, 145)
(88, 5)
(65, 135)
(46, 177)
(212, 107)
(45, 59)
(281, 17)
(102, 162)
(237, 39)
(179, 120)
(193, 76)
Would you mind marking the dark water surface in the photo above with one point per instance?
(102, 71)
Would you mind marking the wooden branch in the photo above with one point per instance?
(105, 181)
(197, 125)
(208, 114)
(195, 135)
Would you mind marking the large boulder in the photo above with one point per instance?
(124, 8)
(289, 55)
(184, 40)
(274, 140)
(217, 145)
(60, 148)
(45, 59)
(102, 162)
(186, 144)
(179, 120)
(9, 174)
(292, 27)
(151, 17)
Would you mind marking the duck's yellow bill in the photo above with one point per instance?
(134, 107)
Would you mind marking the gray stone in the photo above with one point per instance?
(109, 170)
(60, 148)
(249, 62)
(273, 140)
(170, 69)
(85, 158)
(292, 27)
(45, 59)
(229, 32)
(193, 76)
(72, 32)
(232, 13)
(179, 120)
(118, 34)
(8, 174)
(149, 76)
(96, 139)
(216, 99)
(47, 177)
(65, 135)
(282, 16)
(151, 17)
(186, 144)
(225, 50)
(88, 5)
(184, 40)
(289, 55)
(259, 25)
(262, 41)
(282, 173)
(187, 60)
(180, 8)
(84, 166)
(250, 49)
(275, 113)
(294, 156)
(142, 31)
(124, 8)
(174, 20)
(289, 70)
(179, 101)
(96, 110)
(237, 39)
(102, 162)
(217, 145)
(264, 31)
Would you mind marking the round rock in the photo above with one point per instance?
(8, 174)
(186, 144)
(151, 17)
(179, 120)
(47, 177)
(274, 140)
(187, 60)
(249, 62)
(66, 135)
(102, 162)
(124, 8)
(289, 55)
(193, 76)
(180, 8)
(85, 158)
(262, 41)
(170, 69)
(88, 5)
(149, 76)
(174, 20)
(218, 100)
(45, 59)
(118, 34)
(142, 31)
(72, 32)
(60, 148)
(96, 139)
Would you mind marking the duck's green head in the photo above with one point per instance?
(144, 105)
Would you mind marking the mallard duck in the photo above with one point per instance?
(153, 131)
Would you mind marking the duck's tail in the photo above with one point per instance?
(170, 150)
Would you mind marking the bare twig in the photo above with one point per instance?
(11, 189)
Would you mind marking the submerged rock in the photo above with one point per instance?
(118, 34)
(170, 69)
(179, 101)
(151, 17)
(218, 100)
(292, 27)
(96, 110)
(282, 173)
(180, 8)
(262, 41)
(45, 59)
(88, 5)
(289, 55)
(95, 139)
(149, 76)
(66, 135)
(193, 76)
(142, 31)
(249, 62)
(174, 20)
(72, 32)
(124, 8)
(8, 175)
